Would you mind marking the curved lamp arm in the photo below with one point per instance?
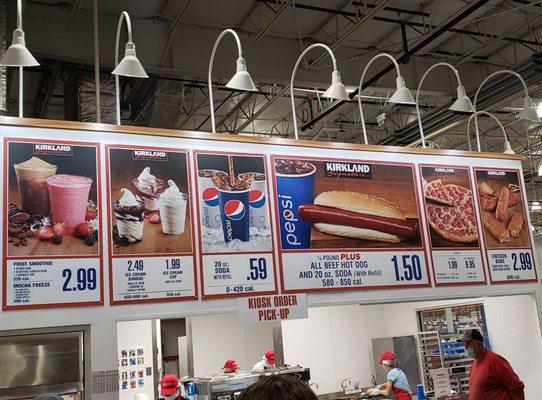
(211, 62)
(443, 64)
(123, 16)
(502, 71)
(294, 117)
(475, 115)
(361, 83)
(21, 80)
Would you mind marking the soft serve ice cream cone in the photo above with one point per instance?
(129, 216)
(172, 204)
(149, 187)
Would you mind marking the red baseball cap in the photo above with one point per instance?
(270, 356)
(230, 365)
(169, 385)
(386, 357)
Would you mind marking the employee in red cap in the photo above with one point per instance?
(169, 387)
(267, 362)
(397, 382)
(491, 376)
(230, 366)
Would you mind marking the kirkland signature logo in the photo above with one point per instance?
(347, 170)
(149, 155)
(53, 149)
(444, 171)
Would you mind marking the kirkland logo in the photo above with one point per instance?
(445, 171)
(347, 170)
(53, 149)
(496, 174)
(150, 155)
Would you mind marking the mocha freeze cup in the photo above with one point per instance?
(31, 181)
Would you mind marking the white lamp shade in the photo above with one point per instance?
(508, 148)
(462, 103)
(529, 112)
(402, 95)
(242, 79)
(130, 65)
(337, 90)
(17, 55)
(540, 169)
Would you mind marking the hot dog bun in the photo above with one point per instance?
(357, 233)
(359, 202)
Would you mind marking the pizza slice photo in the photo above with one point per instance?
(450, 213)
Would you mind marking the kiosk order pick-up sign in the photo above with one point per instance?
(252, 310)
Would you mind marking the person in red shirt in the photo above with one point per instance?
(491, 376)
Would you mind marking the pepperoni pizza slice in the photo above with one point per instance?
(436, 192)
(456, 222)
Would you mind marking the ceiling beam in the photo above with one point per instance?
(350, 30)
(419, 44)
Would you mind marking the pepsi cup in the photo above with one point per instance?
(259, 215)
(234, 212)
(210, 210)
(295, 186)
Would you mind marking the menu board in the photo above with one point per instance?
(506, 230)
(345, 225)
(52, 249)
(453, 229)
(235, 225)
(184, 221)
(150, 225)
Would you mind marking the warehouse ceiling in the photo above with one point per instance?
(174, 39)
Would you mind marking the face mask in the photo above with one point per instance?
(470, 352)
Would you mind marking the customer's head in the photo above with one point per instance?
(278, 387)
(474, 342)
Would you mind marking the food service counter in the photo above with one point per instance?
(227, 386)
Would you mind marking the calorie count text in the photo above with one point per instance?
(348, 269)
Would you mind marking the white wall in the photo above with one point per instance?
(215, 338)
(336, 341)
(134, 334)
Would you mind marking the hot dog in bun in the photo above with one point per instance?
(358, 216)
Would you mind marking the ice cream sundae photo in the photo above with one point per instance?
(150, 202)
(52, 197)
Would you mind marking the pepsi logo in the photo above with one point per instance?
(234, 210)
(210, 197)
(256, 198)
(288, 214)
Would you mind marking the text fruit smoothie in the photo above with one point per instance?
(172, 205)
(31, 180)
(69, 199)
(149, 188)
(129, 216)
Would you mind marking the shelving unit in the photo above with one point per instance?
(429, 356)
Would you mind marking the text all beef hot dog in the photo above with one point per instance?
(336, 216)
